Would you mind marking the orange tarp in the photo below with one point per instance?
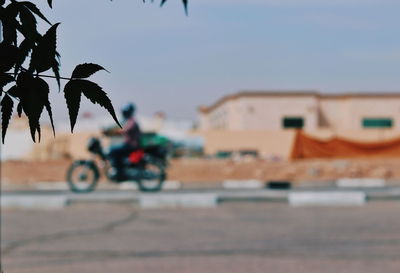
(306, 146)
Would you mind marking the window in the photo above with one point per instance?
(224, 154)
(293, 122)
(253, 153)
(377, 123)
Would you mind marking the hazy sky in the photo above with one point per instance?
(162, 60)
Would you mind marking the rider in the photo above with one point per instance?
(131, 132)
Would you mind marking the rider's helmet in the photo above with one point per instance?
(128, 110)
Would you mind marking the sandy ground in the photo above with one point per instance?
(209, 170)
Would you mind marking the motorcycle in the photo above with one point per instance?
(145, 166)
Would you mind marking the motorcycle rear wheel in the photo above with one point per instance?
(153, 177)
(82, 176)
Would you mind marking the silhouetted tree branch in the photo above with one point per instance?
(25, 54)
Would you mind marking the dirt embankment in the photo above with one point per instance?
(203, 170)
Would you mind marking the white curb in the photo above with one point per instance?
(354, 198)
(242, 184)
(360, 182)
(42, 202)
(193, 200)
(167, 185)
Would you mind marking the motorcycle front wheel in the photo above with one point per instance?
(82, 176)
(152, 177)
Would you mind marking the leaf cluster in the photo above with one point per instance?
(25, 54)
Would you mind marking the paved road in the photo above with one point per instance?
(234, 237)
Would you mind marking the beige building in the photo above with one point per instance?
(263, 122)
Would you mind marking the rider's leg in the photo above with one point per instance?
(116, 159)
(118, 153)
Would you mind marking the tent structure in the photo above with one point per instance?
(306, 146)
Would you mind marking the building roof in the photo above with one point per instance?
(296, 93)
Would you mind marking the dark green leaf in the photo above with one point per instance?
(28, 100)
(42, 90)
(9, 23)
(23, 51)
(24, 78)
(5, 79)
(48, 108)
(19, 109)
(32, 7)
(56, 71)
(9, 33)
(14, 91)
(11, 11)
(8, 56)
(72, 94)
(28, 22)
(96, 95)
(86, 70)
(185, 4)
(44, 53)
(38, 130)
(7, 105)
(33, 97)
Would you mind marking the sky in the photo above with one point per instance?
(162, 60)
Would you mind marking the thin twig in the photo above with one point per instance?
(46, 76)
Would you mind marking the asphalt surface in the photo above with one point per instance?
(233, 237)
